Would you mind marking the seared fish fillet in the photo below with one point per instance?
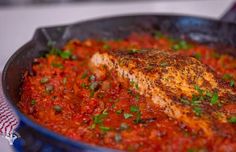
(172, 81)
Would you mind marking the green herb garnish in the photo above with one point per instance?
(214, 98)
(231, 83)
(106, 47)
(197, 111)
(119, 111)
(227, 77)
(84, 75)
(158, 34)
(133, 51)
(198, 56)
(127, 115)
(65, 54)
(33, 102)
(164, 64)
(138, 118)
(92, 78)
(57, 65)
(232, 120)
(103, 128)
(134, 109)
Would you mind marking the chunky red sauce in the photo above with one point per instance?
(67, 97)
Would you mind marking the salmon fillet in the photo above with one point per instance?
(183, 87)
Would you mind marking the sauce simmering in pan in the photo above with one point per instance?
(69, 98)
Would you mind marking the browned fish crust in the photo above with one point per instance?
(168, 79)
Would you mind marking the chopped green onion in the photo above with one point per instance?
(127, 115)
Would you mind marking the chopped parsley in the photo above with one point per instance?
(158, 34)
(84, 75)
(98, 119)
(138, 118)
(65, 54)
(231, 83)
(227, 77)
(134, 109)
(119, 111)
(133, 51)
(232, 120)
(106, 47)
(127, 115)
(197, 111)
(181, 45)
(57, 65)
(214, 98)
(103, 128)
(198, 56)
(33, 102)
(164, 64)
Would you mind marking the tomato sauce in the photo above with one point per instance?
(67, 97)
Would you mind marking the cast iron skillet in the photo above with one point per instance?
(38, 138)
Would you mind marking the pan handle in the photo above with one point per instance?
(230, 15)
